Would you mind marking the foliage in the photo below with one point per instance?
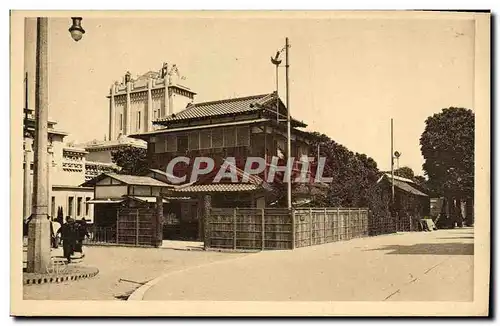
(447, 145)
(354, 175)
(131, 160)
(420, 180)
(405, 172)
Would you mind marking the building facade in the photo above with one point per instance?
(68, 170)
(135, 103)
(240, 128)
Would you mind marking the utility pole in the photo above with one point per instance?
(277, 95)
(392, 161)
(39, 228)
(289, 151)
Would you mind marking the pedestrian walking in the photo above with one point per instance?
(81, 233)
(68, 236)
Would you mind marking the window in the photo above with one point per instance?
(182, 143)
(243, 136)
(121, 121)
(217, 138)
(79, 206)
(205, 139)
(70, 206)
(194, 140)
(229, 137)
(160, 144)
(53, 207)
(87, 206)
(139, 120)
(171, 143)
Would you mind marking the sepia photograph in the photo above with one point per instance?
(294, 163)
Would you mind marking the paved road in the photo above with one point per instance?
(401, 267)
(132, 264)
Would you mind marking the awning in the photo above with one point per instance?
(105, 201)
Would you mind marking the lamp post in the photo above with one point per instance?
(39, 228)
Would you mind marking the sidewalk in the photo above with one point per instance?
(410, 266)
(121, 271)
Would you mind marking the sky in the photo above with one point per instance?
(348, 76)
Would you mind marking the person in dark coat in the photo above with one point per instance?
(68, 236)
(81, 233)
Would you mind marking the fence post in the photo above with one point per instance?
(310, 227)
(117, 220)
(339, 237)
(206, 230)
(234, 228)
(158, 220)
(360, 224)
(324, 226)
(137, 227)
(348, 223)
(293, 229)
(263, 231)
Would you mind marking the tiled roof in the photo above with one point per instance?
(137, 180)
(403, 184)
(219, 187)
(222, 107)
(406, 187)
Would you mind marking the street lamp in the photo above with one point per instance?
(396, 156)
(39, 227)
(76, 29)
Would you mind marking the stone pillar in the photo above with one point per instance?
(158, 238)
(128, 114)
(165, 110)
(39, 229)
(112, 114)
(148, 119)
(170, 102)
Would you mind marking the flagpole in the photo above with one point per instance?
(289, 152)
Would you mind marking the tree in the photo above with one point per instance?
(131, 160)
(447, 145)
(405, 172)
(420, 180)
(354, 175)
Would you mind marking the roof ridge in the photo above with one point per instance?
(195, 106)
(231, 99)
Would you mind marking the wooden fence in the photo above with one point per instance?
(315, 226)
(277, 228)
(100, 235)
(136, 226)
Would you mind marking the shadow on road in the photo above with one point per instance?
(467, 238)
(430, 249)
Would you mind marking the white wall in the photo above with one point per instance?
(61, 197)
(104, 192)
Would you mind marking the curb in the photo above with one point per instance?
(55, 278)
(138, 294)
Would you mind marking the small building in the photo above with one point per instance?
(411, 203)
